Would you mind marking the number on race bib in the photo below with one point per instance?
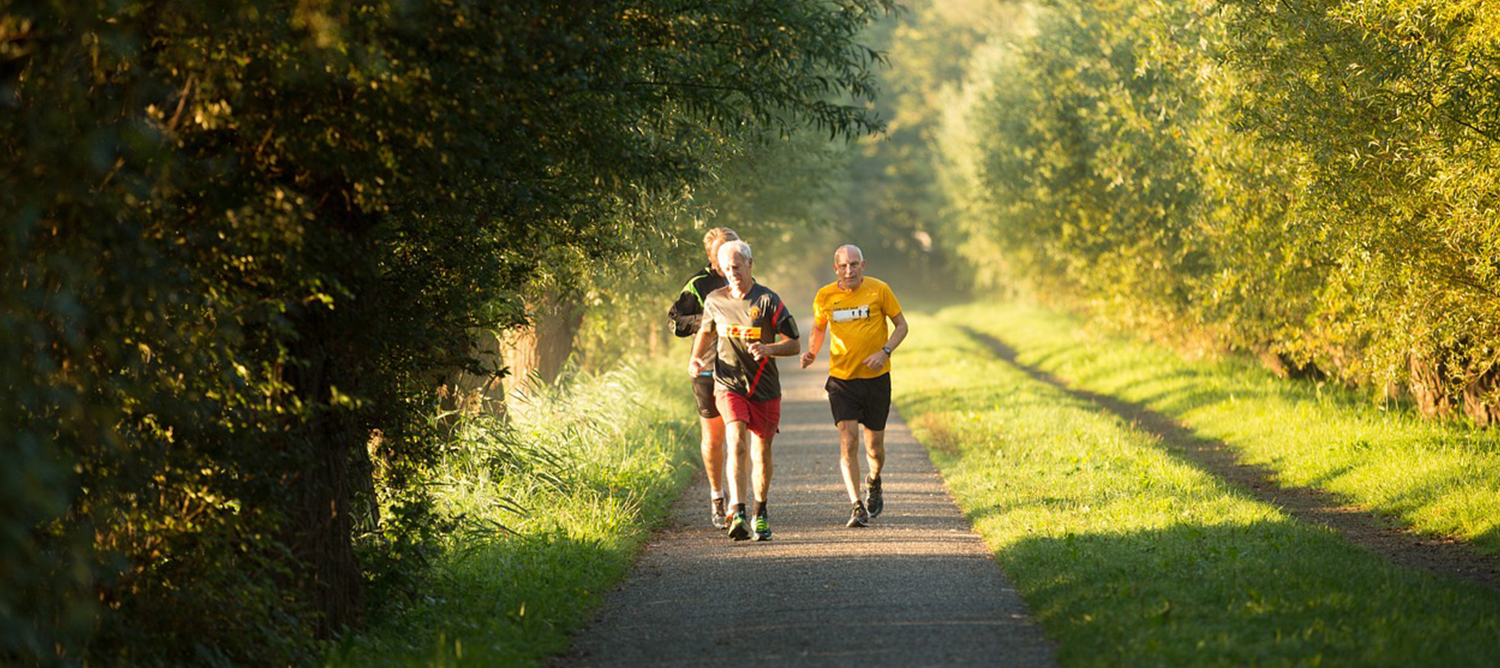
(847, 314)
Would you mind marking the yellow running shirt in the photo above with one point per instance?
(856, 322)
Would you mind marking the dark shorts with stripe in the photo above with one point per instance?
(866, 400)
(703, 393)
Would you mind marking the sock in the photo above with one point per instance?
(738, 508)
(760, 509)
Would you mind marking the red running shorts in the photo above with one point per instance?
(762, 417)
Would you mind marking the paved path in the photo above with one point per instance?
(916, 588)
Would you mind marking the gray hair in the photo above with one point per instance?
(739, 248)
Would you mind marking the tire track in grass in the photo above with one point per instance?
(1438, 554)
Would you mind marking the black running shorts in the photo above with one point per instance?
(703, 393)
(867, 400)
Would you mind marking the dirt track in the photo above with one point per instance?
(916, 588)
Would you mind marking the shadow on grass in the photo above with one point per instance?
(1268, 593)
(1361, 527)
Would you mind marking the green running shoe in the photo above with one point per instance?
(873, 501)
(739, 529)
(762, 528)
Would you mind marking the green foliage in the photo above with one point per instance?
(1314, 181)
(556, 502)
(242, 241)
(888, 200)
(1129, 555)
(1395, 104)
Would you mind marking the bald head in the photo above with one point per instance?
(850, 252)
(849, 266)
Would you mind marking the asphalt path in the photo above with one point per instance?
(916, 588)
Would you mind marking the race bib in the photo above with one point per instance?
(847, 314)
(740, 332)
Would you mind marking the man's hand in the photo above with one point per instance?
(877, 360)
(695, 365)
(758, 349)
(808, 357)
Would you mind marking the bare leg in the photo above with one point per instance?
(875, 451)
(849, 457)
(713, 453)
(760, 454)
(737, 456)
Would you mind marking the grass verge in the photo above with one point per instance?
(569, 490)
(1128, 555)
(1435, 477)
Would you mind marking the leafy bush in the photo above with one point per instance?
(1314, 182)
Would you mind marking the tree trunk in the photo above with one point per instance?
(333, 455)
(1481, 398)
(1438, 394)
(543, 346)
(466, 391)
(1429, 387)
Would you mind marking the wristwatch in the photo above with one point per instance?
(887, 350)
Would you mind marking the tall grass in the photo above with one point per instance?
(1129, 555)
(552, 503)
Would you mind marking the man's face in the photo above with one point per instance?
(736, 270)
(849, 268)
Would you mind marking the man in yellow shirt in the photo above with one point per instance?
(855, 308)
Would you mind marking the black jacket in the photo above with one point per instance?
(687, 312)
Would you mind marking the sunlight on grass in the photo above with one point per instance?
(556, 501)
(1436, 477)
(1129, 555)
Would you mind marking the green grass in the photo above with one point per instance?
(577, 484)
(1126, 554)
(1435, 477)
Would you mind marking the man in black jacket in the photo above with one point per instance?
(686, 315)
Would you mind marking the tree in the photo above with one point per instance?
(243, 239)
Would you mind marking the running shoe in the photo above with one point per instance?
(762, 528)
(873, 500)
(739, 529)
(716, 513)
(858, 517)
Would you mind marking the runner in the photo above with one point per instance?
(747, 317)
(855, 307)
(687, 315)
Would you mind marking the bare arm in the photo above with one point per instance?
(700, 346)
(784, 348)
(878, 359)
(899, 334)
(815, 345)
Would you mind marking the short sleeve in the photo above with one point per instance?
(891, 307)
(785, 324)
(820, 310)
(707, 319)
